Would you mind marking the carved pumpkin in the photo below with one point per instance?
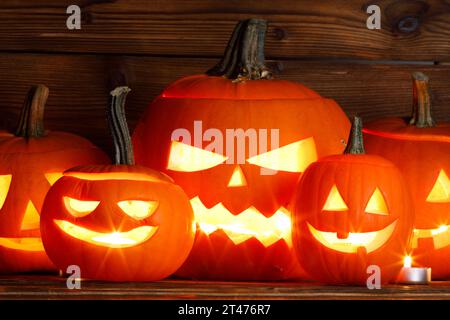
(118, 222)
(239, 187)
(352, 211)
(421, 149)
(31, 160)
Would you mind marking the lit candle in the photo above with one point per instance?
(411, 275)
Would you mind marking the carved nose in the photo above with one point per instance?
(237, 179)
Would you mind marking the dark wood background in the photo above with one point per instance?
(148, 44)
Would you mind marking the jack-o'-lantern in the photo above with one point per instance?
(421, 149)
(352, 211)
(237, 141)
(31, 160)
(117, 222)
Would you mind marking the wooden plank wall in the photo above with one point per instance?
(149, 43)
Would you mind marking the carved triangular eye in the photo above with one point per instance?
(30, 220)
(334, 201)
(5, 182)
(52, 177)
(377, 204)
(441, 190)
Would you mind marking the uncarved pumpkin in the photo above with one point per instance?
(242, 214)
(352, 211)
(118, 222)
(31, 160)
(421, 149)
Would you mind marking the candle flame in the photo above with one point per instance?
(407, 261)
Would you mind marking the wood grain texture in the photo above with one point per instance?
(79, 86)
(53, 287)
(298, 28)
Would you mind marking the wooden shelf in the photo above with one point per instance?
(54, 287)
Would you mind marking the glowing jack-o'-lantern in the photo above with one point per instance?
(351, 211)
(118, 222)
(421, 150)
(242, 213)
(31, 160)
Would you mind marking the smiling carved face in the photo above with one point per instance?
(352, 211)
(117, 223)
(28, 168)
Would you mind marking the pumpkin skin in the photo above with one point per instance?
(152, 259)
(222, 103)
(319, 224)
(31, 164)
(118, 222)
(423, 156)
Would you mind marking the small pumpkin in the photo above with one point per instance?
(352, 211)
(31, 160)
(242, 214)
(118, 222)
(421, 149)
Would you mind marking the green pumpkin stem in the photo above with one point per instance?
(31, 121)
(355, 141)
(243, 58)
(119, 128)
(421, 117)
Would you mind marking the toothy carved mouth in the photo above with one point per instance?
(22, 244)
(371, 241)
(127, 239)
(440, 236)
(249, 223)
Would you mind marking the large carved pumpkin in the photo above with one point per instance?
(237, 140)
(118, 222)
(31, 160)
(352, 211)
(421, 149)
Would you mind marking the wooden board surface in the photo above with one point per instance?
(52, 287)
(298, 28)
(79, 86)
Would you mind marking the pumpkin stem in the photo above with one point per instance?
(355, 141)
(119, 129)
(243, 58)
(421, 117)
(31, 121)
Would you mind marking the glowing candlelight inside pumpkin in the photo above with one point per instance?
(411, 275)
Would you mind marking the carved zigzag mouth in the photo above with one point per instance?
(250, 223)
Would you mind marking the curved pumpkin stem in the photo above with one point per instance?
(119, 129)
(421, 117)
(31, 121)
(243, 58)
(355, 141)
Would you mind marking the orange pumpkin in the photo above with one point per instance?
(31, 160)
(118, 222)
(421, 149)
(352, 211)
(231, 112)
